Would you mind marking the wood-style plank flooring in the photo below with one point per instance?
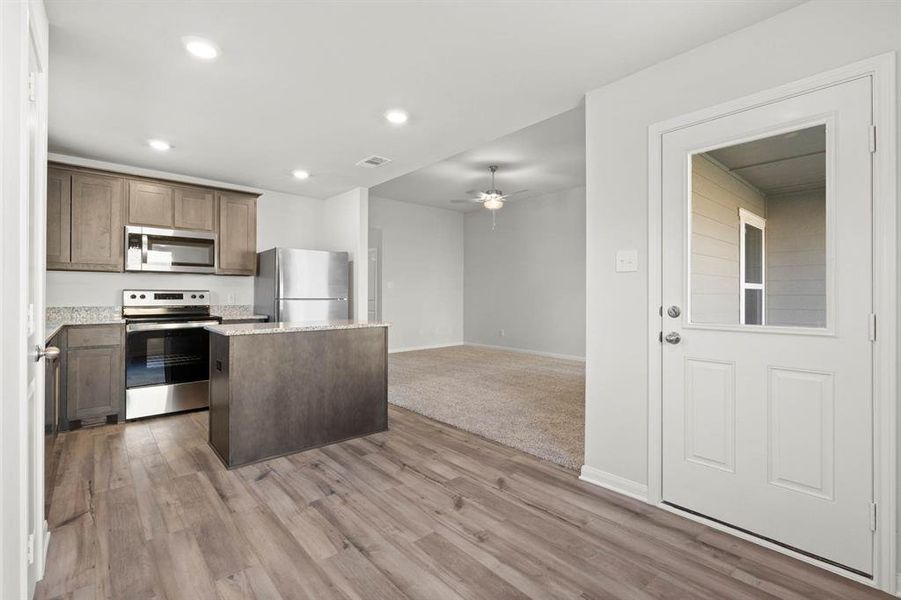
(145, 510)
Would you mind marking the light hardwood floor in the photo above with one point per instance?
(144, 510)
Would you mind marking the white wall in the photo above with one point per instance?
(422, 273)
(282, 220)
(814, 37)
(527, 277)
(345, 228)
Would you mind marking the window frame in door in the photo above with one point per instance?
(745, 218)
(881, 71)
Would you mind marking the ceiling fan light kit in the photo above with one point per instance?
(492, 199)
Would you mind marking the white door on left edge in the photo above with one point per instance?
(767, 357)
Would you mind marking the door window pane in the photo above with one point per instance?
(753, 254)
(758, 232)
(753, 307)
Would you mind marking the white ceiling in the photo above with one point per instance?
(305, 84)
(541, 158)
(785, 162)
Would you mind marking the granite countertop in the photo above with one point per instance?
(58, 317)
(260, 328)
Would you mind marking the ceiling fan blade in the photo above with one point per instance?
(463, 201)
(516, 192)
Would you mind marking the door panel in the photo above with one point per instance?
(149, 204)
(710, 413)
(195, 209)
(59, 216)
(801, 453)
(312, 274)
(312, 310)
(237, 234)
(767, 393)
(97, 221)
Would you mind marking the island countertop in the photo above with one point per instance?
(290, 327)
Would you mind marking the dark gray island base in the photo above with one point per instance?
(279, 388)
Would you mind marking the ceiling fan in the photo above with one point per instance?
(492, 199)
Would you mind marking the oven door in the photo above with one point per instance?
(166, 367)
(166, 353)
(169, 250)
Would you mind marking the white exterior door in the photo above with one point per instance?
(767, 351)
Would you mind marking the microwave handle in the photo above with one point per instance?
(144, 248)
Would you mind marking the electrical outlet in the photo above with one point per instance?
(501, 333)
(231, 298)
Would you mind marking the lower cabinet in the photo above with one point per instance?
(95, 372)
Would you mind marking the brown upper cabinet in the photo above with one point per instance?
(237, 233)
(195, 208)
(87, 212)
(59, 217)
(85, 218)
(149, 204)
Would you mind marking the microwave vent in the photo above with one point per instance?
(371, 162)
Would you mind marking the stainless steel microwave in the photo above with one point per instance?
(169, 250)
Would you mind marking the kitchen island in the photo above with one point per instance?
(280, 388)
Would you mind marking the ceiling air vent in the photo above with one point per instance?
(371, 162)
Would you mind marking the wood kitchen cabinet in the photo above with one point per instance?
(195, 208)
(237, 233)
(85, 218)
(150, 204)
(87, 211)
(59, 217)
(95, 372)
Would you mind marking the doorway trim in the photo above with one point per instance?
(881, 69)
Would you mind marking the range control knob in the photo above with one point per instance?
(201, 296)
(193, 295)
(143, 296)
(133, 296)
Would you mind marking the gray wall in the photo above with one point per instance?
(422, 273)
(527, 277)
(796, 259)
(716, 198)
(800, 42)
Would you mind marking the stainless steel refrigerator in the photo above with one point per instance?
(302, 285)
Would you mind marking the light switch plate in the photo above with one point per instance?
(626, 261)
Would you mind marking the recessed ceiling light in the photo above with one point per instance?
(161, 145)
(200, 48)
(300, 174)
(397, 116)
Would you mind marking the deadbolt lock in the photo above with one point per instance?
(673, 311)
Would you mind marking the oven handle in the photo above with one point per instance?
(161, 326)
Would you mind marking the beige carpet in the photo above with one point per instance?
(532, 403)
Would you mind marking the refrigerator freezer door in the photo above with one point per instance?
(312, 310)
(312, 274)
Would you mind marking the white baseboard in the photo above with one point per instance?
(898, 585)
(614, 483)
(429, 347)
(527, 351)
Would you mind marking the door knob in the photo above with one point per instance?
(673, 338)
(673, 311)
(50, 353)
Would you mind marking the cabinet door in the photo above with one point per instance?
(149, 204)
(195, 208)
(237, 233)
(93, 381)
(97, 222)
(59, 217)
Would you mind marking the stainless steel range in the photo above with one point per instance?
(166, 351)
